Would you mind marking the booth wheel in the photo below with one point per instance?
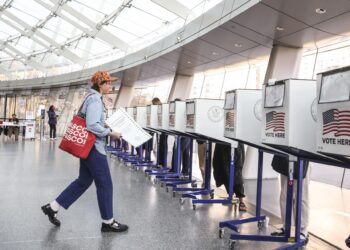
(221, 233)
(174, 194)
(167, 189)
(232, 244)
(194, 185)
(194, 207)
(155, 181)
(182, 200)
(161, 184)
(211, 195)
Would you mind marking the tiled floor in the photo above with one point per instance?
(33, 173)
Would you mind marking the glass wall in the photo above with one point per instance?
(331, 56)
(214, 83)
(66, 100)
(145, 91)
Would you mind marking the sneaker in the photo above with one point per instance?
(114, 227)
(304, 238)
(347, 242)
(279, 232)
(51, 214)
(242, 207)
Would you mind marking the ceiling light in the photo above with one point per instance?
(214, 53)
(320, 11)
(238, 45)
(189, 62)
(279, 28)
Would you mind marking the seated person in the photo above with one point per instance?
(13, 129)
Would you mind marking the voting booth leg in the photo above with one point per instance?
(207, 189)
(177, 162)
(233, 224)
(188, 180)
(155, 168)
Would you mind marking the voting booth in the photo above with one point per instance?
(130, 111)
(151, 119)
(177, 116)
(289, 119)
(140, 116)
(242, 114)
(205, 118)
(333, 113)
(163, 116)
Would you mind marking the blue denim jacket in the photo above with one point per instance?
(95, 116)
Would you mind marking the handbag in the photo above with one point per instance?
(77, 140)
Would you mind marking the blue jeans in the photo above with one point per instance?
(94, 168)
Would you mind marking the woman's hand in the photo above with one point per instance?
(114, 135)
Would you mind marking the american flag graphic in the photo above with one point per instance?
(275, 121)
(337, 121)
(230, 119)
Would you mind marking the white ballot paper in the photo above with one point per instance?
(122, 122)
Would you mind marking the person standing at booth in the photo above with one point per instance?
(201, 159)
(95, 166)
(52, 122)
(13, 129)
(281, 164)
(221, 167)
(163, 139)
(185, 153)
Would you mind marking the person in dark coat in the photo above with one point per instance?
(52, 122)
(221, 167)
(281, 165)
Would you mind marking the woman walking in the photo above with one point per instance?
(95, 167)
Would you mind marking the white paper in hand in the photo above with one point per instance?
(131, 132)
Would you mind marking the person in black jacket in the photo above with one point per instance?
(281, 164)
(13, 129)
(52, 122)
(221, 166)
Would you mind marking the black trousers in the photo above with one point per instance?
(162, 149)
(52, 130)
(184, 155)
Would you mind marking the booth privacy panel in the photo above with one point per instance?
(151, 119)
(333, 112)
(140, 116)
(163, 116)
(290, 124)
(206, 117)
(243, 115)
(177, 116)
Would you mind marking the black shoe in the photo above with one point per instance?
(347, 242)
(51, 214)
(114, 227)
(279, 232)
(305, 238)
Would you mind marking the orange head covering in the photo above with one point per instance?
(102, 76)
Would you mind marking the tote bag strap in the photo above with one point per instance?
(81, 106)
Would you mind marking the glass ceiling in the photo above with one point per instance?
(49, 37)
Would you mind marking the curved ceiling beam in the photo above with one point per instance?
(174, 7)
(97, 30)
(30, 31)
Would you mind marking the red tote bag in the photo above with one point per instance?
(77, 140)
